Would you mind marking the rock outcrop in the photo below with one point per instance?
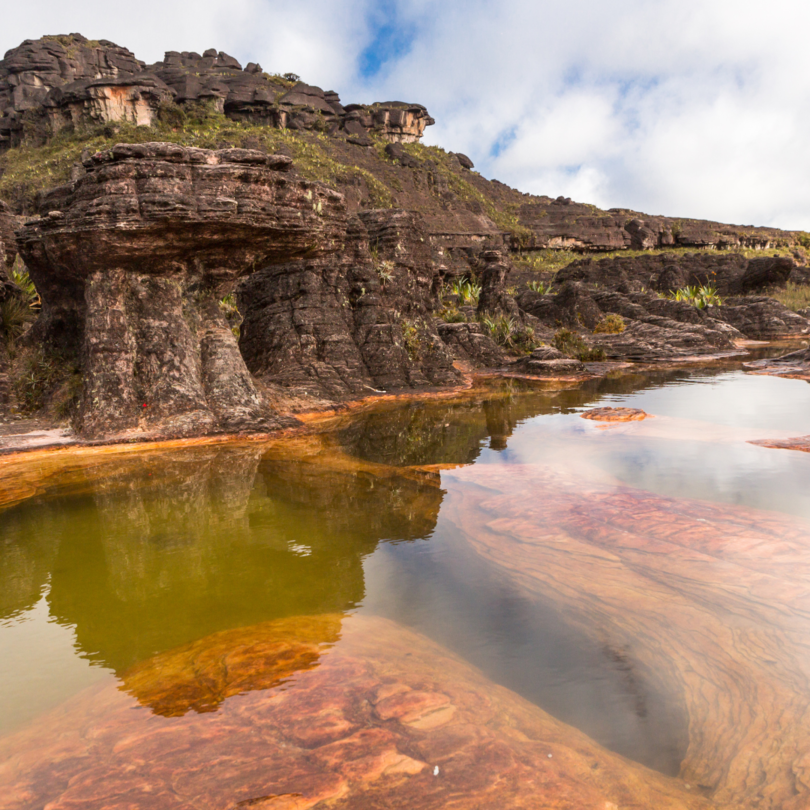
(68, 81)
(131, 262)
(659, 327)
(729, 273)
(359, 320)
(563, 223)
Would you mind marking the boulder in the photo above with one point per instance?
(131, 262)
(397, 153)
(469, 344)
(761, 318)
(30, 72)
(465, 162)
(766, 273)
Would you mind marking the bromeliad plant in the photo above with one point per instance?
(542, 287)
(700, 297)
(509, 332)
(467, 290)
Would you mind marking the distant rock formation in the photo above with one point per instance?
(563, 223)
(131, 262)
(69, 80)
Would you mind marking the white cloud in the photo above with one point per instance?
(667, 106)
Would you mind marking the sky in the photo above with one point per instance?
(687, 108)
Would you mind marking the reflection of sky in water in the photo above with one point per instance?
(727, 471)
(735, 399)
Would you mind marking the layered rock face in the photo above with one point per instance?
(63, 76)
(563, 223)
(352, 323)
(730, 273)
(131, 262)
(69, 80)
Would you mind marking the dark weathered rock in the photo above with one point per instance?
(767, 272)
(69, 80)
(30, 72)
(572, 307)
(397, 153)
(131, 261)
(656, 328)
(729, 273)
(135, 99)
(563, 223)
(469, 344)
(464, 160)
(761, 318)
(493, 299)
(793, 364)
(353, 322)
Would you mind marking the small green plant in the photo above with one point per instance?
(14, 317)
(700, 297)
(385, 271)
(467, 290)
(39, 375)
(411, 339)
(572, 345)
(452, 314)
(230, 310)
(611, 324)
(509, 332)
(542, 287)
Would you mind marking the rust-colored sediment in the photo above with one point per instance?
(615, 414)
(711, 603)
(366, 725)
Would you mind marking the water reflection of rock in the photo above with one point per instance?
(385, 718)
(705, 603)
(442, 431)
(152, 551)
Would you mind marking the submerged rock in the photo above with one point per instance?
(304, 712)
(615, 414)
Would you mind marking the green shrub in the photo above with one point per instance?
(231, 312)
(572, 345)
(611, 324)
(509, 332)
(467, 290)
(452, 314)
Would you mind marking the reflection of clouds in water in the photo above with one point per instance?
(676, 463)
(735, 399)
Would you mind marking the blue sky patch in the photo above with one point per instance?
(392, 38)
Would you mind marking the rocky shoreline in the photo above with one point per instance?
(181, 291)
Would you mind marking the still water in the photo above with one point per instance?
(426, 515)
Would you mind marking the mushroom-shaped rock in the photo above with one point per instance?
(132, 261)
